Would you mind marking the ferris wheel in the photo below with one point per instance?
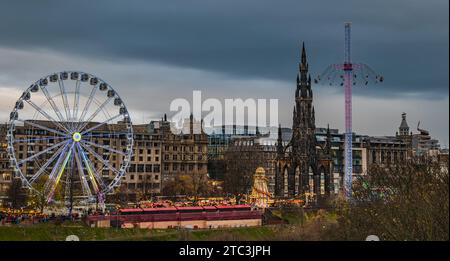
(70, 136)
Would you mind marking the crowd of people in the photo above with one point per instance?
(16, 217)
(10, 216)
(187, 203)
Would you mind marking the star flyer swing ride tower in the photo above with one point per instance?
(348, 74)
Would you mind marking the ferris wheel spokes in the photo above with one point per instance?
(103, 147)
(100, 124)
(60, 172)
(69, 177)
(82, 175)
(52, 103)
(86, 106)
(34, 124)
(46, 115)
(45, 165)
(100, 158)
(65, 101)
(88, 168)
(55, 168)
(95, 177)
(76, 100)
(42, 152)
(28, 140)
(99, 109)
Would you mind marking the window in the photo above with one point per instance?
(131, 177)
(132, 168)
(148, 167)
(166, 167)
(156, 168)
(174, 157)
(156, 177)
(140, 168)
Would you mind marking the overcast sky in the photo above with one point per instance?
(152, 52)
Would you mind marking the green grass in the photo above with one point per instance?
(51, 232)
(54, 232)
(292, 216)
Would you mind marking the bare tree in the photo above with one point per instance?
(38, 197)
(200, 185)
(241, 162)
(17, 194)
(407, 201)
(192, 184)
(120, 196)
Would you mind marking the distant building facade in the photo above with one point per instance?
(158, 154)
(6, 175)
(185, 153)
(144, 172)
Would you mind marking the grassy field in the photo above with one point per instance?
(301, 226)
(51, 232)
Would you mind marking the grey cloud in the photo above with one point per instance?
(147, 89)
(407, 41)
